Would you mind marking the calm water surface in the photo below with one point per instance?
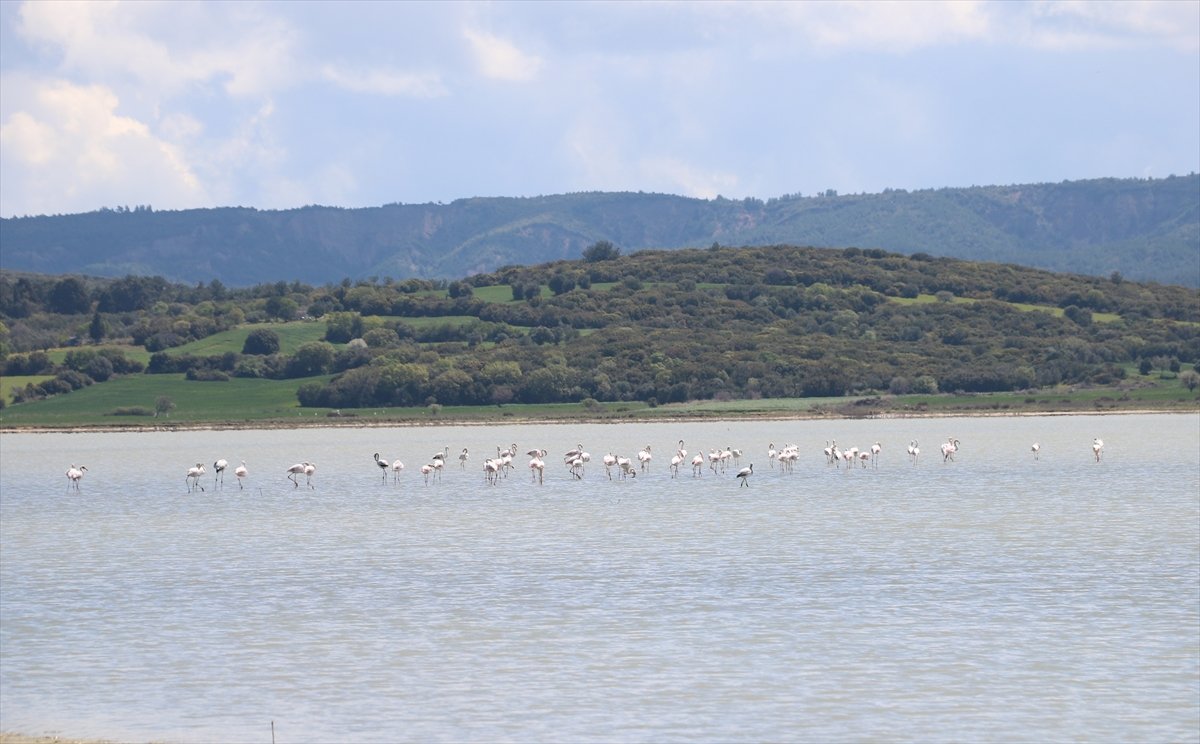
(995, 598)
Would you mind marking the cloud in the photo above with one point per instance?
(69, 149)
(898, 27)
(500, 59)
(385, 82)
(165, 47)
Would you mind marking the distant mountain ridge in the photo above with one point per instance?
(1145, 229)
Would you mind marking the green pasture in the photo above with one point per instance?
(14, 382)
(928, 299)
(292, 336)
(137, 353)
(239, 399)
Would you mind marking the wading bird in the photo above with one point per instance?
(241, 472)
(383, 466)
(1097, 445)
(219, 471)
(74, 475)
(194, 474)
(744, 474)
(1036, 450)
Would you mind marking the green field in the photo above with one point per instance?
(238, 400)
(926, 299)
(137, 353)
(13, 382)
(292, 336)
(254, 401)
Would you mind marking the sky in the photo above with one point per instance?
(278, 105)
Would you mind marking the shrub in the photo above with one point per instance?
(261, 341)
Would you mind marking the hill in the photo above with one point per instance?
(1146, 230)
(650, 328)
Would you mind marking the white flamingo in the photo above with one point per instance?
(295, 470)
(462, 459)
(241, 473)
(914, 449)
(397, 469)
(1097, 446)
(537, 466)
(875, 450)
(644, 458)
(194, 474)
(609, 461)
(491, 471)
(74, 475)
(1036, 449)
(744, 474)
(309, 469)
(426, 469)
(219, 471)
(771, 455)
(698, 466)
(681, 451)
(948, 449)
(383, 466)
(676, 461)
(576, 466)
(626, 465)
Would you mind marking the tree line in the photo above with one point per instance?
(659, 326)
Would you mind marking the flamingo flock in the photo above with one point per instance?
(718, 461)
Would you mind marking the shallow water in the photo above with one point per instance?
(994, 598)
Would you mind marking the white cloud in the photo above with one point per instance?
(1074, 25)
(500, 59)
(385, 82)
(164, 47)
(678, 177)
(69, 149)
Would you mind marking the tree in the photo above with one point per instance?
(1190, 379)
(601, 251)
(283, 308)
(69, 297)
(261, 341)
(96, 328)
(163, 406)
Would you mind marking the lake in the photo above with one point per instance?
(997, 597)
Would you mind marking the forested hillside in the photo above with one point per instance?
(1142, 229)
(654, 326)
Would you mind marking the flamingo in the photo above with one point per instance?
(644, 458)
(74, 475)
(864, 457)
(295, 470)
(627, 470)
(219, 471)
(676, 461)
(397, 468)
(193, 477)
(875, 450)
(426, 469)
(948, 450)
(309, 469)
(439, 463)
(537, 465)
(1036, 450)
(609, 461)
(491, 471)
(241, 472)
(737, 456)
(697, 466)
(1097, 445)
(681, 451)
(744, 474)
(383, 466)
(462, 459)
(915, 450)
(771, 455)
(576, 466)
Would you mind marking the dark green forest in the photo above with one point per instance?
(658, 326)
(1145, 229)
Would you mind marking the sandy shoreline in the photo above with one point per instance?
(397, 424)
(7, 737)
